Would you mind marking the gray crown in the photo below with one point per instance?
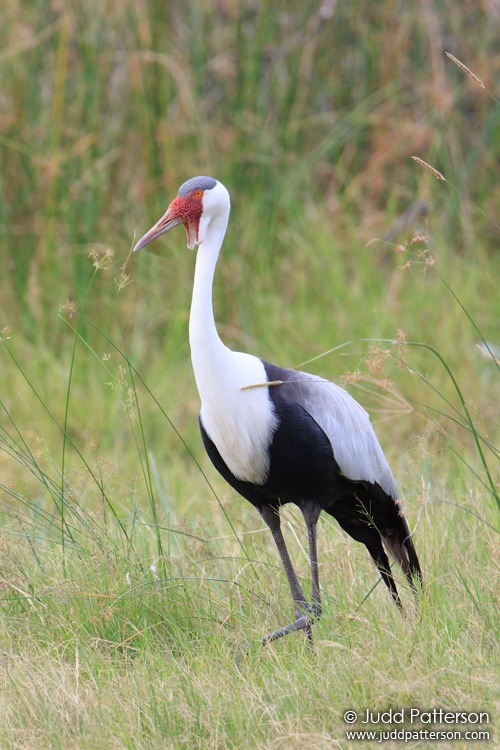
(197, 183)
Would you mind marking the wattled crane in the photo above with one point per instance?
(278, 435)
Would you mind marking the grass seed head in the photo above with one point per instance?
(465, 69)
(4, 334)
(428, 167)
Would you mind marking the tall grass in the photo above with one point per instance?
(130, 575)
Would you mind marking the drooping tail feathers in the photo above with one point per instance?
(401, 547)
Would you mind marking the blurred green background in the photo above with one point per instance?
(308, 112)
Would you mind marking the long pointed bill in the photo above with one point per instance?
(167, 221)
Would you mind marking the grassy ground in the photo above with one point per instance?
(130, 574)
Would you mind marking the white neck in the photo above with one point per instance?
(203, 337)
(239, 421)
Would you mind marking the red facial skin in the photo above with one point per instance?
(186, 210)
(189, 209)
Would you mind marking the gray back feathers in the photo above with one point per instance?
(347, 425)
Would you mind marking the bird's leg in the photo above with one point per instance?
(311, 514)
(271, 516)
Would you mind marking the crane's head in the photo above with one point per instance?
(199, 201)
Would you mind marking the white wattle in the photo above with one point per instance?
(239, 421)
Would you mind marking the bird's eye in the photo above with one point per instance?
(198, 193)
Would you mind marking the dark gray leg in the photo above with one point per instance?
(302, 619)
(311, 514)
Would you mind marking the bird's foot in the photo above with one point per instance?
(304, 621)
